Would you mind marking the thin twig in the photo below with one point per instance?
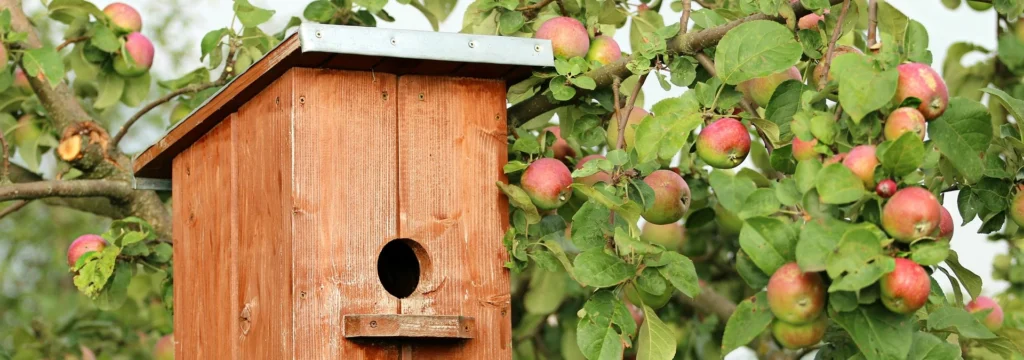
(709, 66)
(535, 6)
(163, 99)
(872, 23)
(13, 208)
(65, 188)
(71, 41)
(832, 44)
(624, 116)
(684, 19)
(6, 169)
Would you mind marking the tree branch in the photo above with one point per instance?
(832, 44)
(689, 43)
(684, 19)
(101, 206)
(71, 41)
(65, 188)
(872, 23)
(194, 88)
(5, 170)
(624, 116)
(13, 208)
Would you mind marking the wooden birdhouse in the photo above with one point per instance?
(337, 200)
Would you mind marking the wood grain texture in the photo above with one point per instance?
(345, 207)
(451, 152)
(155, 161)
(204, 248)
(409, 326)
(262, 142)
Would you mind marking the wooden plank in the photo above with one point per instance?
(204, 248)
(409, 326)
(262, 144)
(155, 161)
(345, 206)
(451, 150)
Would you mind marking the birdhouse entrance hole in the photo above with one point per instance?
(400, 266)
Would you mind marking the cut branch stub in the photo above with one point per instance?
(71, 146)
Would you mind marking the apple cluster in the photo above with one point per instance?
(569, 38)
(136, 55)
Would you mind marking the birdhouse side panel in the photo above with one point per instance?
(204, 248)
(345, 207)
(451, 152)
(263, 150)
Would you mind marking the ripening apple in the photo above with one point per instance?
(794, 296)
(759, 90)
(671, 197)
(164, 349)
(1019, 30)
(905, 289)
(979, 5)
(637, 313)
(886, 188)
(819, 70)
(124, 18)
(804, 150)
(810, 21)
(910, 214)
(21, 80)
(798, 336)
(724, 144)
(3, 57)
(671, 236)
(1017, 207)
(635, 116)
(604, 50)
(640, 297)
(84, 244)
(945, 225)
(568, 36)
(861, 161)
(994, 320)
(547, 181)
(560, 147)
(922, 82)
(904, 120)
(140, 49)
(600, 176)
(27, 130)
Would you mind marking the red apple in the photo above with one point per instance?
(798, 336)
(904, 120)
(819, 70)
(886, 188)
(861, 161)
(671, 236)
(164, 349)
(759, 90)
(794, 296)
(124, 17)
(1017, 205)
(604, 50)
(84, 244)
(994, 320)
(568, 36)
(141, 51)
(547, 181)
(945, 225)
(906, 288)
(560, 147)
(600, 176)
(910, 214)
(724, 144)
(635, 116)
(804, 150)
(671, 197)
(922, 82)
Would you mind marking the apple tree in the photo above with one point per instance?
(789, 200)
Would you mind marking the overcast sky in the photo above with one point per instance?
(945, 27)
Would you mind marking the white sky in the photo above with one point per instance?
(945, 27)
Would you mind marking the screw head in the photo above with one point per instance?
(394, 41)
(472, 44)
(318, 34)
(373, 324)
(536, 48)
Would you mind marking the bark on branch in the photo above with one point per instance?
(65, 188)
(689, 43)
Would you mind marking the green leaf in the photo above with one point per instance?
(959, 320)
(662, 136)
(866, 88)
(115, 294)
(546, 292)
(136, 89)
(199, 75)
(44, 61)
(929, 347)
(598, 269)
(656, 340)
(858, 261)
(787, 192)
(518, 198)
(904, 155)
(93, 275)
(836, 184)
(249, 15)
(892, 21)
(769, 242)
(1013, 105)
(806, 174)
(732, 191)
(373, 6)
(751, 318)
(916, 43)
(761, 203)
(749, 271)
(928, 253)
(212, 39)
(584, 82)
(878, 332)
(318, 11)
(818, 238)
(963, 134)
(595, 333)
(785, 103)
(510, 22)
(754, 49)
(162, 253)
(441, 9)
(971, 281)
(591, 225)
(680, 271)
(111, 89)
(104, 39)
(560, 90)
